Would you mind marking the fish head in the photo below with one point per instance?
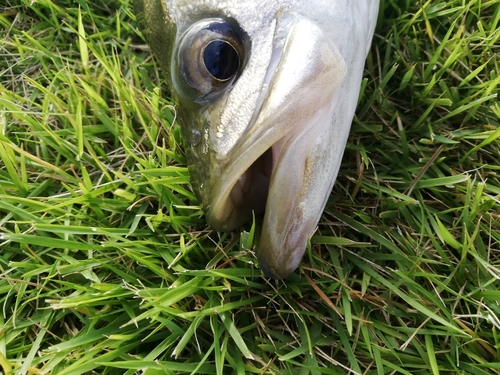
(265, 93)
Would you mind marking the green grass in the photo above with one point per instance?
(106, 263)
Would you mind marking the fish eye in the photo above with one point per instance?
(209, 57)
(221, 60)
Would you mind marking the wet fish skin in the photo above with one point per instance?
(272, 138)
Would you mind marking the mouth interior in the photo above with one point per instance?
(251, 190)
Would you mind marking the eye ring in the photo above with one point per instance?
(209, 57)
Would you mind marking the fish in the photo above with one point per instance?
(265, 92)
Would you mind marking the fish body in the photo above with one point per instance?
(266, 93)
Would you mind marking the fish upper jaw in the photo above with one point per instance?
(278, 152)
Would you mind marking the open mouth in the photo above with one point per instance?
(251, 190)
(249, 193)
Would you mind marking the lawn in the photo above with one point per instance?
(107, 265)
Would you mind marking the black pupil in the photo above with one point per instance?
(221, 60)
